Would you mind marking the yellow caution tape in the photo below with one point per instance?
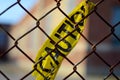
(48, 66)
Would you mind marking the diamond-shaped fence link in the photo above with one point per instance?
(111, 67)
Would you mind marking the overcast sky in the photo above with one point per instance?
(16, 13)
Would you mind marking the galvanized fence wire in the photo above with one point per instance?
(75, 65)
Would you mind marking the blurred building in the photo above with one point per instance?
(4, 41)
(109, 48)
(95, 30)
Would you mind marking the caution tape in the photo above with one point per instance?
(47, 66)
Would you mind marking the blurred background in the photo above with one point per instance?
(103, 35)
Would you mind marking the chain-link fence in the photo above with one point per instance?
(93, 50)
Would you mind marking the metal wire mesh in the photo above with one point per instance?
(75, 65)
